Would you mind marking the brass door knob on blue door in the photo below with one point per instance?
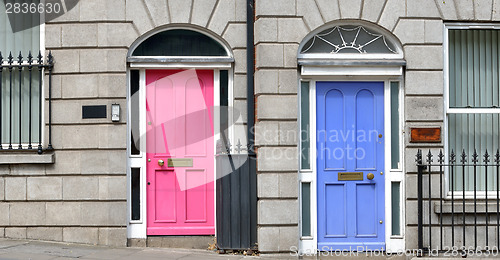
(370, 176)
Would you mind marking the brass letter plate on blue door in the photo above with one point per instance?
(184, 162)
(350, 176)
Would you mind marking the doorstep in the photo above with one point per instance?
(187, 242)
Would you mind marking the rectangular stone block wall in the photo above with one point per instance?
(278, 30)
(282, 25)
(82, 196)
(419, 27)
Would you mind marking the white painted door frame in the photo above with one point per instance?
(137, 228)
(308, 245)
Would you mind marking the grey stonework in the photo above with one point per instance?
(81, 196)
(418, 25)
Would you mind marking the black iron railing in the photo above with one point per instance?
(463, 217)
(29, 70)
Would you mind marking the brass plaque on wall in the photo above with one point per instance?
(350, 176)
(184, 162)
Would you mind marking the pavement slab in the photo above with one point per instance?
(38, 250)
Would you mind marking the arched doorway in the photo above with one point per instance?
(177, 75)
(351, 169)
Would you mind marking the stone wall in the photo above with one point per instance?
(280, 27)
(82, 196)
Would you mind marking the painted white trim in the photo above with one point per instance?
(351, 71)
(446, 98)
(473, 110)
(230, 104)
(394, 243)
(216, 125)
(452, 25)
(45, 89)
(191, 65)
(309, 245)
(356, 56)
(447, 110)
(138, 228)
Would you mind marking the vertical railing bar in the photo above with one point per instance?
(1, 89)
(30, 69)
(429, 161)
(452, 161)
(464, 161)
(10, 98)
(40, 69)
(20, 99)
(419, 197)
(486, 160)
(475, 197)
(441, 156)
(51, 63)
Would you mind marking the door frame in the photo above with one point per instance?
(138, 228)
(309, 245)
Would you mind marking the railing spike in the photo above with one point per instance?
(1, 58)
(40, 57)
(486, 157)
(497, 156)
(463, 157)
(30, 58)
(238, 146)
(429, 157)
(452, 157)
(441, 156)
(419, 157)
(474, 157)
(50, 58)
(11, 59)
(20, 58)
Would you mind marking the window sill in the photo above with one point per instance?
(469, 207)
(14, 157)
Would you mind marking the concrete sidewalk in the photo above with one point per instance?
(37, 250)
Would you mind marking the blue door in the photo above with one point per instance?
(350, 157)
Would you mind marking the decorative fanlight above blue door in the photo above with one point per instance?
(349, 39)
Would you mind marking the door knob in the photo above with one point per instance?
(161, 162)
(370, 176)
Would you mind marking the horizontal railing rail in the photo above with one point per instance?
(29, 70)
(462, 220)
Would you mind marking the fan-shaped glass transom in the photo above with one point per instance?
(349, 39)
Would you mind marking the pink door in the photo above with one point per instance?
(180, 152)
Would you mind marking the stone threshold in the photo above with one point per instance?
(187, 242)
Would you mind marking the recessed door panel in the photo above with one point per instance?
(335, 204)
(165, 201)
(196, 197)
(334, 140)
(366, 210)
(366, 131)
(198, 125)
